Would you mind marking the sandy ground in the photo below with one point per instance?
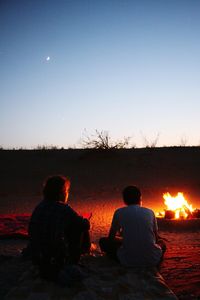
(180, 268)
(97, 181)
(11, 269)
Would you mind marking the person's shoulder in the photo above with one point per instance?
(38, 210)
(147, 210)
(67, 209)
(119, 210)
(39, 206)
(59, 207)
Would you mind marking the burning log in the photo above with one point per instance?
(169, 214)
(178, 208)
(196, 213)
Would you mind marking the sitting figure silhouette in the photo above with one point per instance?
(133, 238)
(58, 235)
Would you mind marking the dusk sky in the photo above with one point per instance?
(129, 67)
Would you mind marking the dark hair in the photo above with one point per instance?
(131, 195)
(55, 188)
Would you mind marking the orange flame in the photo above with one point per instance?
(179, 205)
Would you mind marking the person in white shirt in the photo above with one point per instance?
(133, 238)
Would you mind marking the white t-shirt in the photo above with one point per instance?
(138, 226)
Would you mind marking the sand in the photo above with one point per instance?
(104, 279)
(180, 268)
(97, 180)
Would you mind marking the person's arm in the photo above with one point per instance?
(155, 228)
(115, 226)
(75, 221)
(157, 236)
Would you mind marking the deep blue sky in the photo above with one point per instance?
(129, 67)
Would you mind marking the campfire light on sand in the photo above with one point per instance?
(177, 207)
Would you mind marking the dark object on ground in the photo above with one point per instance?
(187, 225)
(169, 214)
(196, 213)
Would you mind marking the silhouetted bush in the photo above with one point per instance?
(102, 140)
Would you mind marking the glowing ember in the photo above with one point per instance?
(177, 207)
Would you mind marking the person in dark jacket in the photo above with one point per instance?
(58, 235)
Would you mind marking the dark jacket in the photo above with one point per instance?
(54, 232)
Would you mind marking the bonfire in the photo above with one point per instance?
(178, 208)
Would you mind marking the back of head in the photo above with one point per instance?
(55, 188)
(131, 195)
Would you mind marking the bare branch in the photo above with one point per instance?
(102, 140)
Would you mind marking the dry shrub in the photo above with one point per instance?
(150, 143)
(102, 140)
